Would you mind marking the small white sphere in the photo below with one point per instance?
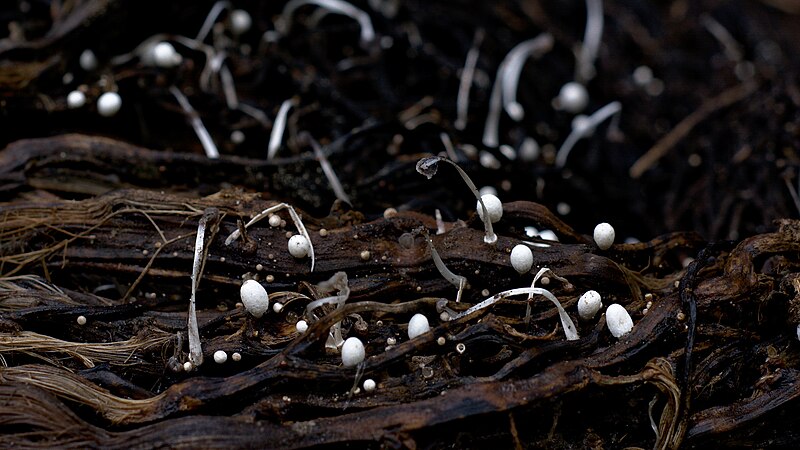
(254, 298)
(418, 325)
(277, 307)
(582, 125)
(236, 356)
(369, 385)
(81, 320)
(493, 206)
(353, 352)
(220, 356)
(237, 136)
(301, 326)
(187, 366)
(589, 304)
(573, 97)
(109, 104)
(87, 60)
(604, 236)
(240, 21)
(76, 99)
(274, 221)
(618, 320)
(165, 55)
(299, 246)
(521, 258)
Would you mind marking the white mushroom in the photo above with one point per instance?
(618, 320)
(589, 304)
(254, 298)
(418, 325)
(353, 352)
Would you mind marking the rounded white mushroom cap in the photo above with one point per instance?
(369, 385)
(353, 352)
(618, 320)
(604, 236)
(493, 206)
(76, 99)
(87, 60)
(165, 55)
(220, 356)
(109, 104)
(521, 258)
(573, 97)
(240, 21)
(301, 326)
(589, 304)
(418, 325)
(254, 298)
(299, 246)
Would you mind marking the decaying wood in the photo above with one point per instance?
(133, 236)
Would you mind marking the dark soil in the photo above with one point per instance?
(99, 217)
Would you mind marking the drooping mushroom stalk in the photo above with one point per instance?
(210, 216)
(428, 167)
(585, 128)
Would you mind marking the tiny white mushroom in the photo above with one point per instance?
(299, 246)
(572, 97)
(369, 385)
(353, 352)
(618, 320)
(493, 206)
(81, 320)
(76, 99)
(240, 21)
(301, 326)
(220, 356)
(188, 366)
(254, 298)
(274, 221)
(589, 304)
(87, 60)
(164, 55)
(521, 258)
(418, 325)
(604, 236)
(277, 307)
(109, 104)
(236, 356)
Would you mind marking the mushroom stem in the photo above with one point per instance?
(428, 167)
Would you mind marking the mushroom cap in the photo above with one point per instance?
(604, 236)
(588, 305)
(76, 99)
(254, 298)
(418, 325)
(493, 206)
(353, 352)
(220, 356)
(299, 246)
(573, 97)
(109, 104)
(521, 258)
(618, 320)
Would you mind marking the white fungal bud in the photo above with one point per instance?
(493, 206)
(164, 55)
(220, 356)
(236, 356)
(274, 221)
(188, 366)
(352, 352)
(277, 307)
(369, 385)
(299, 246)
(81, 320)
(76, 99)
(254, 298)
(418, 325)
(604, 236)
(87, 60)
(109, 104)
(589, 304)
(618, 320)
(240, 21)
(301, 326)
(572, 97)
(521, 258)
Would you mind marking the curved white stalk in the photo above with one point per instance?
(592, 36)
(515, 59)
(585, 129)
(333, 6)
